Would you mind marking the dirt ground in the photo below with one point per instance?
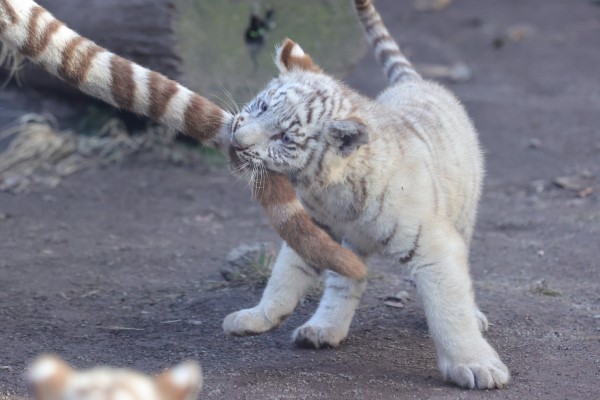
(115, 265)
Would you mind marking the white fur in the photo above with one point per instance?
(174, 115)
(142, 89)
(99, 77)
(42, 370)
(297, 51)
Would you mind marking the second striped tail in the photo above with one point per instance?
(396, 66)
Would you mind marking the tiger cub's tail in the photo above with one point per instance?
(396, 66)
(34, 32)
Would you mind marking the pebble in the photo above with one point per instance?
(403, 296)
(534, 143)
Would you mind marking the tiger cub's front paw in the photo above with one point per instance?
(318, 337)
(252, 321)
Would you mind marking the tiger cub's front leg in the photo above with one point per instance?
(331, 322)
(289, 281)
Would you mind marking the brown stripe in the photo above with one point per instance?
(49, 31)
(383, 56)
(361, 5)
(371, 25)
(276, 190)
(307, 270)
(360, 200)
(32, 26)
(304, 62)
(37, 44)
(322, 158)
(312, 244)
(286, 53)
(9, 10)
(67, 66)
(405, 70)
(384, 242)
(382, 198)
(310, 158)
(413, 251)
(380, 39)
(317, 248)
(122, 84)
(203, 118)
(85, 63)
(162, 91)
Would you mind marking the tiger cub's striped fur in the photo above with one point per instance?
(51, 378)
(35, 33)
(399, 176)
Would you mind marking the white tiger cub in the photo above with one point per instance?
(51, 378)
(398, 176)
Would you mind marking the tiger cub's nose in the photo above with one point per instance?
(235, 144)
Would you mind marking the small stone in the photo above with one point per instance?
(538, 186)
(431, 5)
(457, 73)
(573, 183)
(498, 42)
(534, 143)
(460, 73)
(519, 32)
(393, 302)
(541, 253)
(228, 275)
(4, 216)
(403, 296)
(586, 192)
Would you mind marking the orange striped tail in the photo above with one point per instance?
(34, 32)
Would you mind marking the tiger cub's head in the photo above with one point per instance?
(51, 378)
(299, 117)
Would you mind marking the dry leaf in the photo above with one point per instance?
(586, 192)
(573, 183)
(431, 5)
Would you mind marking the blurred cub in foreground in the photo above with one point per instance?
(51, 378)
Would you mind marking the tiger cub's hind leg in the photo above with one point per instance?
(289, 281)
(442, 275)
(331, 322)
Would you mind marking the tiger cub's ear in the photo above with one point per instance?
(48, 376)
(348, 135)
(180, 383)
(290, 56)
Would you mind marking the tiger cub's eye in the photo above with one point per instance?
(286, 138)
